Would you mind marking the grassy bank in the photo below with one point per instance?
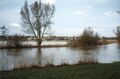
(84, 71)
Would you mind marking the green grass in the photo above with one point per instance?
(83, 71)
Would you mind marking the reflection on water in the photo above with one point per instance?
(16, 58)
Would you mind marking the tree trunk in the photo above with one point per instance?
(39, 42)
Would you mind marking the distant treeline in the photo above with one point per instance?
(31, 38)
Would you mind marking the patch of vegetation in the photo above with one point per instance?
(84, 71)
(88, 38)
(15, 41)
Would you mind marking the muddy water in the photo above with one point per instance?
(16, 58)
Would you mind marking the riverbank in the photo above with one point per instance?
(83, 71)
(101, 42)
(33, 44)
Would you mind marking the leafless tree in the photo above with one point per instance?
(36, 18)
(4, 33)
(117, 33)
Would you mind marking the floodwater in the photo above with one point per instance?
(27, 57)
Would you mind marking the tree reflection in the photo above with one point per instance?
(38, 57)
(118, 46)
(89, 59)
(3, 60)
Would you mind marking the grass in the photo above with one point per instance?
(83, 71)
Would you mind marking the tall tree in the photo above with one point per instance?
(36, 18)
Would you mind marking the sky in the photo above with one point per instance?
(71, 16)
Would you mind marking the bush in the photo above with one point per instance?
(15, 41)
(88, 38)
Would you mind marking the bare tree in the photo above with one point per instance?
(117, 33)
(36, 18)
(4, 33)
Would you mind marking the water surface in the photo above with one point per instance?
(16, 58)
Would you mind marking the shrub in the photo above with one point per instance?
(15, 41)
(88, 38)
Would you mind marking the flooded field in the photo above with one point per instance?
(27, 57)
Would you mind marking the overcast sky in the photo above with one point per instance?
(71, 16)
